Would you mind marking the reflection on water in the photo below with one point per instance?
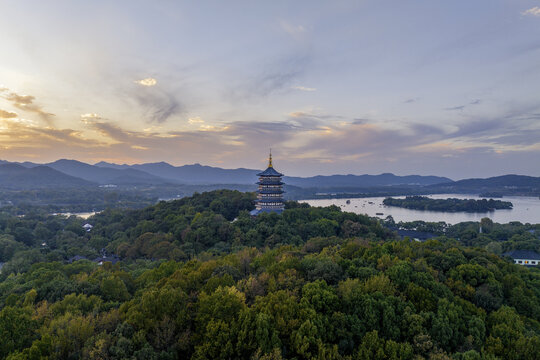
(526, 209)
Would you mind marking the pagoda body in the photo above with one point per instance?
(270, 192)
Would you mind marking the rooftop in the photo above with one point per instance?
(523, 254)
(270, 171)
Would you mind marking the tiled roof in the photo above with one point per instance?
(270, 200)
(256, 212)
(270, 191)
(523, 254)
(267, 181)
(270, 171)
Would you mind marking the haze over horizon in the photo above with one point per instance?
(360, 87)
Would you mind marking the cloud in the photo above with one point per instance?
(309, 115)
(195, 120)
(271, 82)
(26, 140)
(462, 107)
(112, 131)
(147, 82)
(303, 88)
(535, 11)
(159, 104)
(303, 140)
(293, 30)
(89, 116)
(7, 114)
(26, 103)
(276, 77)
(411, 100)
(458, 108)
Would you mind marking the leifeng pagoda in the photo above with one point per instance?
(270, 192)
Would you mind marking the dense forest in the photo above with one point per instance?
(449, 205)
(201, 279)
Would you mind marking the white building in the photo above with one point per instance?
(524, 257)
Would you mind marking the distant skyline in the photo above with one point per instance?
(447, 88)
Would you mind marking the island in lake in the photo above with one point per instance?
(448, 205)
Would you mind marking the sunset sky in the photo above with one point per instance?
(447, 88)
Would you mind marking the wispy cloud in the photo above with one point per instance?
(275, 77)
(273, 81)
(535, 11)
(7, 114)
(313, 115)
(159, 104)
(305, 137)
(303, 88)
(89, 116)
(147, 82)
(195, 120)
(26, 103)
(455, 108)
(293, 30)
(411, 100)
(462, 107)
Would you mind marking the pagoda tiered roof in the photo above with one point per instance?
(271, 200)
(256, 212)
(270, 171)
(268, 191)
(269, 183)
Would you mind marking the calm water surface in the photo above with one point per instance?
(84, 215)
(526, 209)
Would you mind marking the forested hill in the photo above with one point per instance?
(313, 283)
(448, 205)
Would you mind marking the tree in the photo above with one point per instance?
(17, 329)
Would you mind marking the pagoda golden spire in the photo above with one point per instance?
(270, 159)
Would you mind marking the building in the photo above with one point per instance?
(414, 234)
(270, 191)
(524, 257)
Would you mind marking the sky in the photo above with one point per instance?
(430, 87)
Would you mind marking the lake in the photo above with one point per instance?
(84, 215)
(526, 209)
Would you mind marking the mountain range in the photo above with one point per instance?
(15, 176)
(196, 174)
(73, 173)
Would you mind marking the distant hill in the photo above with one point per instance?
(162, 173)
(200, 174)
(506, 184)
(104, 175)
(14, 176)
(362, 181)
(192, 174)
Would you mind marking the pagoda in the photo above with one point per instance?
(270, 192)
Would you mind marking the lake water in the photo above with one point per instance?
(525, 210)
(84, 215)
